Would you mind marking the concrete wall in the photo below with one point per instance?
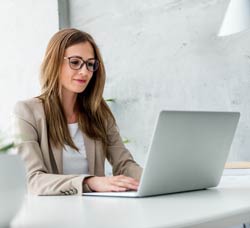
(165, 54)
(26, 27)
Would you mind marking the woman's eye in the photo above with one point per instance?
(90, 64)
(75, 62)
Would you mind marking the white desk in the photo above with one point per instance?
(225, 206)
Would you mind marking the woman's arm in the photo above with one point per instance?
(40, 180)
(119, 156)
(126, 171)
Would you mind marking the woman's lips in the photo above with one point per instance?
(81, 81)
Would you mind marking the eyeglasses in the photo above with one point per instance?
(76, 63)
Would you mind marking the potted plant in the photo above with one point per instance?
(12, 182)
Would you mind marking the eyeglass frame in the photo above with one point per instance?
(83, 62)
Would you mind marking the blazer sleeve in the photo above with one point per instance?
(118, 155)
(39, 180)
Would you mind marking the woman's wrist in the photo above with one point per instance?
(86, 179)
(85, 182)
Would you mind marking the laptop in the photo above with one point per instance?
(188, 152)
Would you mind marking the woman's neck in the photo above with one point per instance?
(68, 100)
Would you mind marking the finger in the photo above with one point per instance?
(129, 180)
(115, 188)
(133, 187)
(126, 185)
(126, 178)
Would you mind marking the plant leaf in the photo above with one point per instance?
(110, 100)
(125, 141)
(7, 147)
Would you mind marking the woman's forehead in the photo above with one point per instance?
(84, 50)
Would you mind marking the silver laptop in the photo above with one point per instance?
(188, 152)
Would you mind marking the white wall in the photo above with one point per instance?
(165, 54)
(26, 27)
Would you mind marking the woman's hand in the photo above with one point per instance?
(112, 183)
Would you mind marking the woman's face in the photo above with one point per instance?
(71, 80)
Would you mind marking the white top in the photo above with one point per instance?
(75, 162)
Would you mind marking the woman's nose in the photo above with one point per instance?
(83, 70)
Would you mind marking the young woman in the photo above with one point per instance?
(68, 131)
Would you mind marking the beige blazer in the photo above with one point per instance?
(44, 177)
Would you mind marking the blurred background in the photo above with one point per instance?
(162, 54)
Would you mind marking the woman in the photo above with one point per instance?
(68, 131)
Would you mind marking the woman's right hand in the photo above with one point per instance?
(119, 183)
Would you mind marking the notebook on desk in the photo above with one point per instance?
(188, 152)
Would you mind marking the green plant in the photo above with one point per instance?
(110, 100)
(6, 143)
(6, 147)
(125, 140)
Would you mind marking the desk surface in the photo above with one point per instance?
(224, 206)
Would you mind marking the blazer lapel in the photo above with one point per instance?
(90, 152)
(57, 152)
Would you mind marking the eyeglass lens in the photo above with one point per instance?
(77, 63)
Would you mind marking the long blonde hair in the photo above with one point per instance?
(93, 112)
